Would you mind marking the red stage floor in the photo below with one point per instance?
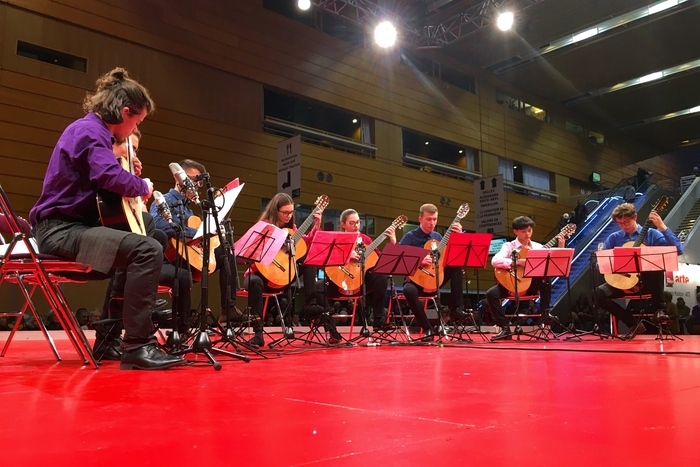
(560, 403)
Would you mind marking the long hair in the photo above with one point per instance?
(347, 213)
(273, 206)
(115, 90)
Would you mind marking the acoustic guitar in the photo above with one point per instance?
(509, 277)
(121, 212)
(349, 278)
(624, 281)
(425, 275)
(195, 251)
(278, 273)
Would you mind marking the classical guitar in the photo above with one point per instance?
(278, 273)
(509, 277)
(121, 212)
(195, 251)
(626, 281)
(349, 278)
(425, 275)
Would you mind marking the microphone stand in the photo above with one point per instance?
(201, 342)
(174, 340)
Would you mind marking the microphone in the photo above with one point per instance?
(163, 208)
(184, 181)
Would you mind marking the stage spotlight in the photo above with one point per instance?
(304, 4)
(505, 21)
(385, 34)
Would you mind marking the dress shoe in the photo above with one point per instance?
(105, 349)
(638, 329)
(661, 317)
(163, 318)
(458, 314)
(428, 334)
(160, 303)
(335, 338)
(257, 340)
(149, 357)
(505, 334)
(381, 326)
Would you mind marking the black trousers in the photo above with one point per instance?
(650, 283)
(495, 294)
(413, 292)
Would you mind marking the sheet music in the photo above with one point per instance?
(227, 195)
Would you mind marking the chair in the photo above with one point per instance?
(355, 299)
(543, 330)
(642, 316)
(21, 264)
(406, 320)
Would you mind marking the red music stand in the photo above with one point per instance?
(547, 263)
(260, 243)
(400, 260)
(468, 250)
(330, 249)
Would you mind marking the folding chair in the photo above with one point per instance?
(22, 264)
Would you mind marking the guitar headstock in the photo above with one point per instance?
(462, 211)
(661, 204)
(321, 202)
(568, 230)
(399, 222)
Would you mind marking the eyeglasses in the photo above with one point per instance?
(353, 223)
(285, 213)
(625, 221)
(197, 183)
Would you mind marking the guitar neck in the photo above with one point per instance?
(446, 237)
(551, 243)
(304, 227)
(373, 246)
(642, 235)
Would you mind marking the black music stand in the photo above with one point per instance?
(467, 250)
(547, 263)
(637, 260)
(260, 244)
(402, 260)
(327, 249)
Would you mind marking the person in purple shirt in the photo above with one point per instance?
(652, 282)
(65, 217)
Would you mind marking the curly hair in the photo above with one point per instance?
(116, 90)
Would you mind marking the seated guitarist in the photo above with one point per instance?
(65, 215)
(652, 282)
(427, 219)
(280, 212)
(376, 284)
(522, 228)
(179, 200)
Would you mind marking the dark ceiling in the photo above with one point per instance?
(578, 75)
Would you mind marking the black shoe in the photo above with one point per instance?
(149, 357)
(428, 334)
(661, 317)
(505, 334)
(335, 338)
(107, 349)
(257, 340)
(381, 326)
(163, 318)
(638, 329)
(160, 303)
(458, 314)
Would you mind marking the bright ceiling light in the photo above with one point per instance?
(304, 4)
(661, 6)
(385, 34)
(585, 35)
(505, 20)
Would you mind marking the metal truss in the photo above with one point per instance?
(465, 22)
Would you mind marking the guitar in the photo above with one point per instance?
(349, 278)
(626, 281)
(277, 273)
(425, 275)
(120, 212)
(195, 251)
(509, 277)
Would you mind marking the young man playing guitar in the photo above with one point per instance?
(427, 219)
(652, 282)
(65, 215)
(179, 199)
(503, 260)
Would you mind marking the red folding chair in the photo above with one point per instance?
(21, 264)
